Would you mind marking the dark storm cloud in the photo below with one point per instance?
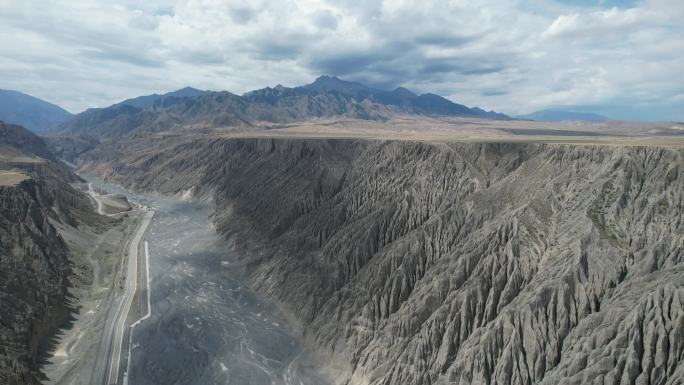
(459, 66)
(347, 64)
(493, 93)
(444, 39)
(390, 57)
(397, 63)
(279, 47)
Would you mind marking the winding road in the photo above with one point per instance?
(96, 197)
(126, 301)
(114, 332)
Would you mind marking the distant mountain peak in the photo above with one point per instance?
(154, 99)
(401, 100)
(327, 78)
(404, 92)
(35, 114)
(326, 83)
(186, 91)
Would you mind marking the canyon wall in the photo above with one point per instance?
(441, 263)
(34, 259)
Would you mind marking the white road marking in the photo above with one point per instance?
(146, 316)
(147, 279)
(127, 300)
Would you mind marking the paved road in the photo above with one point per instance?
(207, 327)
(108, 372)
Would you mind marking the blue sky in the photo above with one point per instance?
(619, 58)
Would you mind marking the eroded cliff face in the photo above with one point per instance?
(34, 259)
(432, 263)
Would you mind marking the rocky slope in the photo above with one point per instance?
(330, 96)
(166, 100)
(30, 112)
(192, 109)
(432, 263)
(34, 259)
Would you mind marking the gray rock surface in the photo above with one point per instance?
(433, 263)
(34, 259)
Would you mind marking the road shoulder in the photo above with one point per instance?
(96, 283)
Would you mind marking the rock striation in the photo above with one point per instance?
(34, 259)
(444, 263)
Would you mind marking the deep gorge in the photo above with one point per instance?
(435, 263)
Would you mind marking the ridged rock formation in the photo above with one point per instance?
(433, 263)
(189, 109)
(34, 259)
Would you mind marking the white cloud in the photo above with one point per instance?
(509, 56)
(612, 21)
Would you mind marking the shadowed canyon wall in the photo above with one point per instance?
(35, 263)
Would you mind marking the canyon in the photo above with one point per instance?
(34, 259)
(342, 192)
(337, 234)
(436, 262)
(59, 264)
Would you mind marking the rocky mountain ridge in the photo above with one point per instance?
(192, 109)
(435, 263)
(166, 100)
(375, 104)
(35, 114)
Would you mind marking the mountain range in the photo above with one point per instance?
(33, 113)
(393, 261)
(373, 101)
(326, 97)
(168, 99)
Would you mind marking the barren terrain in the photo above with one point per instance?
(436, 262)
(97, 256)
(11, 178)
(477, 130)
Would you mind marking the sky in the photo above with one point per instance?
(624, 59)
